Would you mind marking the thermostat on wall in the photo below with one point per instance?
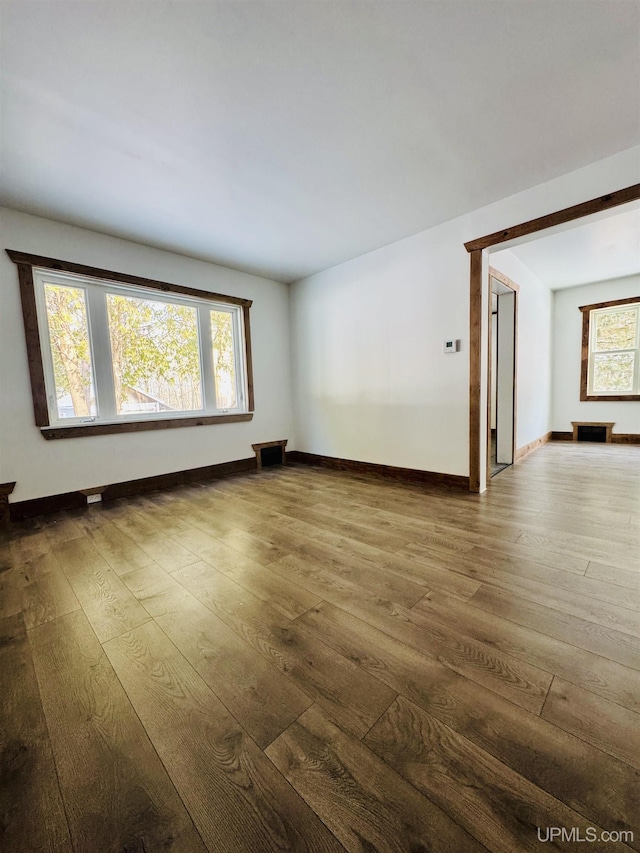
(451, 346)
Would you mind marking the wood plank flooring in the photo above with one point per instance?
(302, 659)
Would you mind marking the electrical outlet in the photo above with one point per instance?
(94, 499)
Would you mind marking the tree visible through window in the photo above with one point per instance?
(113, 351)
(611, 350)
(224, 362)
(154, 350)
(70, 350)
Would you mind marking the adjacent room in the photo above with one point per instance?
(538, 367)
(319, 426)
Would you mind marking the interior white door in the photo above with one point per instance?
(506, 376)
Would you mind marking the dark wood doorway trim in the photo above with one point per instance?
(475, 370)
(475, 249)
(567, 214)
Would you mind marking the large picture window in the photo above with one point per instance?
(113, 354)
(611, 350)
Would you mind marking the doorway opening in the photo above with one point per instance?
(479, 342)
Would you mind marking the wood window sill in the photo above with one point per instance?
(80, 431)
(608, 398)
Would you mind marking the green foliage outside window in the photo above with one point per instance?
(613, 351)
(154, 348)
(155, 351)
(70, 350)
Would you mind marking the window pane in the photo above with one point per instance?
(616, 330)
(155, 356)
(224, 361)
(70, 351)
(613, 373)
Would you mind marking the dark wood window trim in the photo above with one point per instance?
(122, 278)
(584, 367)
(142, 426)
(26, 262)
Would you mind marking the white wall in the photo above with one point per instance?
(533, 395)
(567, 345)
(43, 467)
(370, 379)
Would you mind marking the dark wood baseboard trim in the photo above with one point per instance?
(561, 436)
(410, 475)
(46, 505)
(527, 449)
(625, 438)
(76, 500)
(177, 478)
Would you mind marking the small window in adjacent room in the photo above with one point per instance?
(611, 350)
(117, 355)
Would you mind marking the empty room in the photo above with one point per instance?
(319, 426)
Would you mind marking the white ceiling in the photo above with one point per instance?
(284, 137)
(599, 249)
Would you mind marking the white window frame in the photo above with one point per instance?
(96, 291)
(34, 270)
(590, 320)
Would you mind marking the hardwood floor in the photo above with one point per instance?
(302, 659)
